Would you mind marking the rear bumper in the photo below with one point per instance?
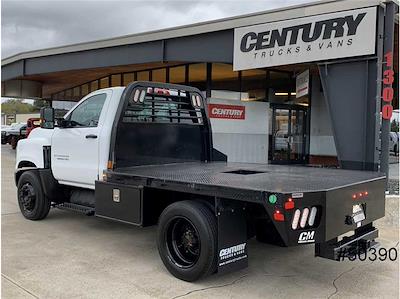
(360, 242)
(336, 213)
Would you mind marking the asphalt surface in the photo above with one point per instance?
(69, 255)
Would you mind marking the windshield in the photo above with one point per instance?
(17, 126)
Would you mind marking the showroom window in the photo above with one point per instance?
(159, 75)
(76, 92)
(198, 76)
(128, 78)
(94, 85)
(283, 89)
(68, 93)
(143, 76)
(253, 85)
(104, 82)
(115, 80)
(225, 83)
(177, 75)
(85, 89)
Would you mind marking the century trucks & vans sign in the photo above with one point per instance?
(226, 111)
(321, 37)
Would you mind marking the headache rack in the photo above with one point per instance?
(156, 105)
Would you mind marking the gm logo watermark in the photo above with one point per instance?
(307, 237)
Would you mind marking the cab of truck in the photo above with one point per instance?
(79, 141)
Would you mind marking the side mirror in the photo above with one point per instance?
(47, 118)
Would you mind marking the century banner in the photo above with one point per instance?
(321, 37)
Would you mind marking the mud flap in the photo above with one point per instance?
(232, 236)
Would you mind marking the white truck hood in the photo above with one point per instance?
(31, 148)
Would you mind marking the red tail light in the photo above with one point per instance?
(278, 216)
(289, 204)
(359, 195)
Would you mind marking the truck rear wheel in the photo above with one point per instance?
(34, 205)
(187, 240)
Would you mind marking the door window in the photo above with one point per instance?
(296, 139)
(281, 134)
(87, 114)
(288, 134)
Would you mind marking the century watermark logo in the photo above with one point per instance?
(327, 36)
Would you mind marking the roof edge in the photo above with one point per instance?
(278, 14)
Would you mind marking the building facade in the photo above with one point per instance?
(305, 84)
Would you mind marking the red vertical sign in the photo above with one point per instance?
(387, 91)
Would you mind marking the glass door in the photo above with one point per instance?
(288, 134)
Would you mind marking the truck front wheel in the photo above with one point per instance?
(187, 240)
(34, 205)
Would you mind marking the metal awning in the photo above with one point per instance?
(60, 68)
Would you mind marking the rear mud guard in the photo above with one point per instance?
(232, 236)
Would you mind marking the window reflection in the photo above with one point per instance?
(177, 75)
(104, 82)
(254, 87)
(85, 89)
(198, 76)
(159, 75)
(143, 76)
(128, 78)
(116, 80)
(94, 85)
(274, 86)
(225, 82)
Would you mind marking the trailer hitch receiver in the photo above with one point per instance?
(361, 241)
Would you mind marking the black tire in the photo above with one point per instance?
(13, 142)
(34, 205)
(194, 254)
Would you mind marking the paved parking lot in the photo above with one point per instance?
(73, 256)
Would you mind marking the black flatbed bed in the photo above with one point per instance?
(242, 177)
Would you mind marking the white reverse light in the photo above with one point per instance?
(296, 218)
(313, 214)
(304, 217)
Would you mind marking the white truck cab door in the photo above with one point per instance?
(75, 149)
